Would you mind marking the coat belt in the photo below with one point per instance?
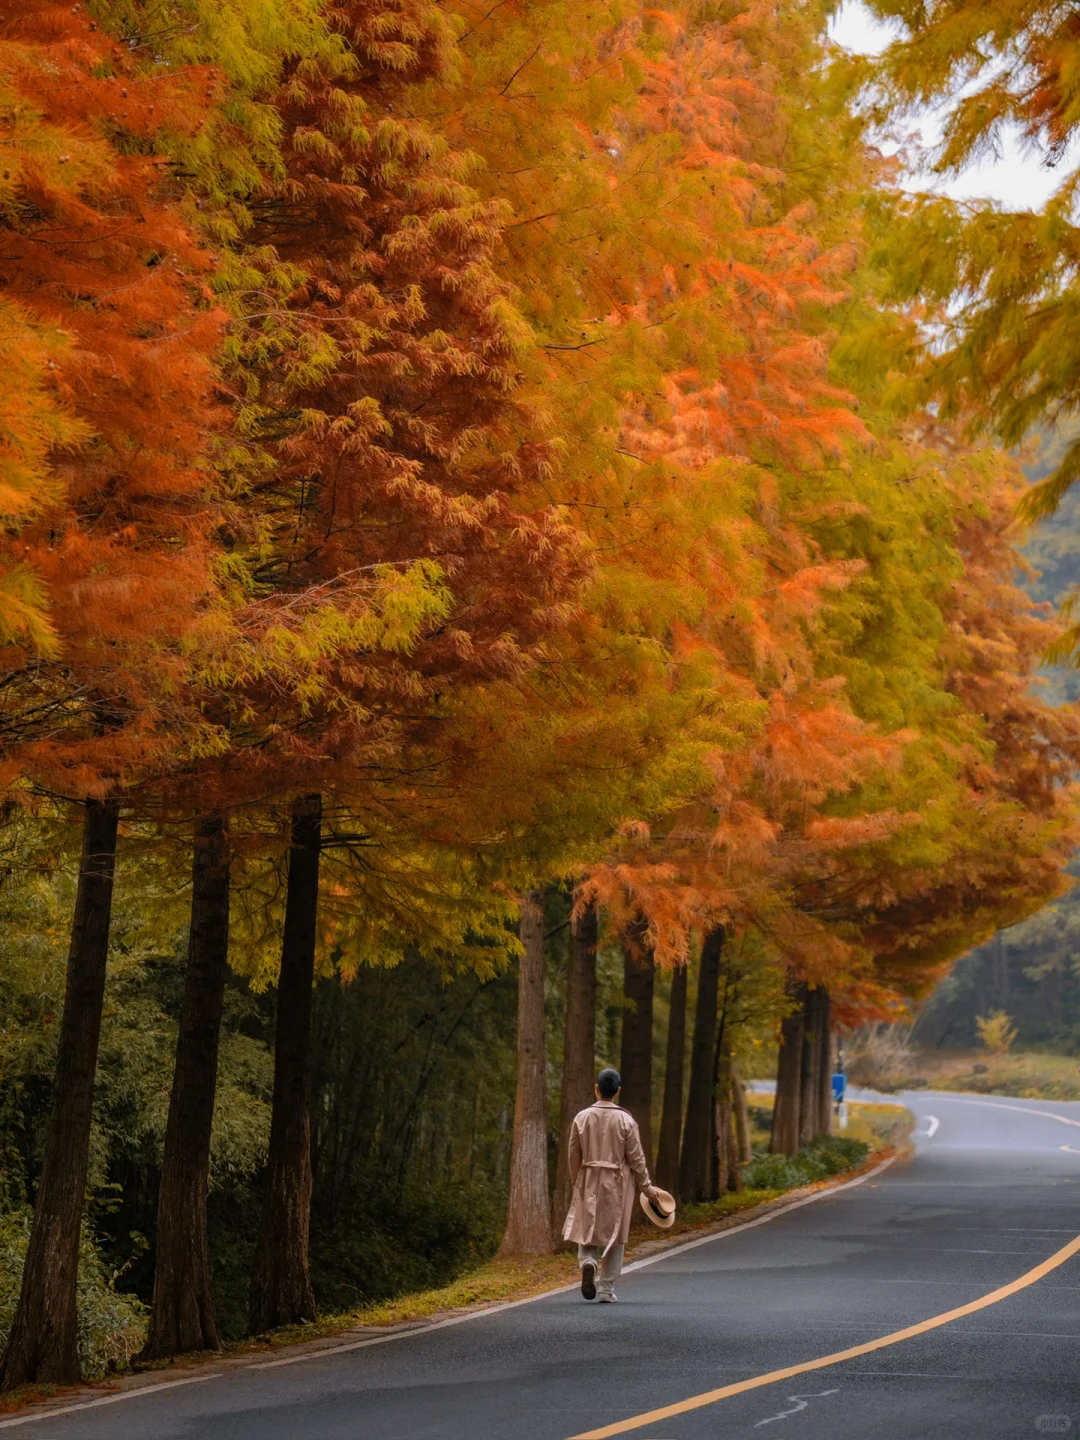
(601, 1165)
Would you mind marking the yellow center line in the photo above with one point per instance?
(710, 1397)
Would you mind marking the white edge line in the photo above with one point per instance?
(681, 1249)
(108, 1399)
(408, 1334)
(1020, 1109)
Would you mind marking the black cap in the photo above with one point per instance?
(609, 1083)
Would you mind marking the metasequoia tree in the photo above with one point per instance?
(281, 1292)
(528, 1225)
(734, 854)
(801, 1110)
(871, 805)
(100, 267)
(1003, 823)
(668, 174)
(182, 1315)
(667, 1149)
(579, 1047)
(664, 325)
(979, 845)
(390, 514)
(694, 1180)
(375, 364)
(635, 1057)
(1004, 359)
(820, 795)
(983, 841)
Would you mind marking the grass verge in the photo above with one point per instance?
(1027, 1075)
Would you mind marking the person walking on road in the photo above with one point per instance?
(606, 1162)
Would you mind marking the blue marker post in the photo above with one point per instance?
(839, 1086)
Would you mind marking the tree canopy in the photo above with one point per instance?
(491, 484)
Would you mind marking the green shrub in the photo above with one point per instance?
(770, 1172)
(828, 1155)
(838, 1152)
(112, 1325)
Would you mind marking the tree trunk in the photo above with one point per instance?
(785, 1126)
(742, 1119)
(726, 1172)
(721, 1147)
(43, 1342)
(182, 1313)
(810, 1070)
(281, 1291)
(667, 1158)
(729, 1161)
(635, 1061)
(735, 1178)
(694, 1167)
(528, 1221)
(579, 1050)
(825, 1065)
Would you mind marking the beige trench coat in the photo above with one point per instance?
(606, 1159)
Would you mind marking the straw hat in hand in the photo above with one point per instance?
(659, 1206)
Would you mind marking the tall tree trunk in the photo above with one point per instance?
(727, 1174)
(667, 1157)
(281, 1291)
(694, 1166)
(528, 1221)
(635, 1061)
(42, 1344)
(785, 1126)
(810, 1074)
(182, 1313)
(579, 1049)
(742, 1119)
(734, 1161)
(825, 1064)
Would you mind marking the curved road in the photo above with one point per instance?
(993, 1191)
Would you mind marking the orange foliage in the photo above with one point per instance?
(386, 391)
(95, 250)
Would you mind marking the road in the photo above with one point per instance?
(991, 1193)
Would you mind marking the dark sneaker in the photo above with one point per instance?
(588, 1280)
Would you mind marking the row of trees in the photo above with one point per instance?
(454, 452)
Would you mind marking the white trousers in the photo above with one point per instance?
(610, 1268)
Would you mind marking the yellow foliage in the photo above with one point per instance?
(996, 1032)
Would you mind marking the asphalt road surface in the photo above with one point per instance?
(993, 1191)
